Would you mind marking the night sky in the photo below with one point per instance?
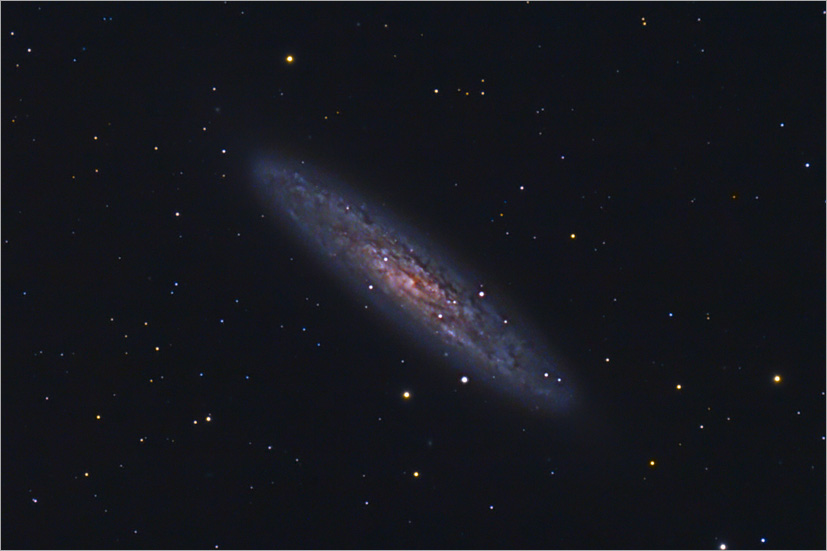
(645, 182)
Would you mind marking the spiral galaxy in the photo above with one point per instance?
(414, 286)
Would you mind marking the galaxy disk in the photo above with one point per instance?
(416, 288)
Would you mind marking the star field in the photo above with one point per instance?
(644, 182)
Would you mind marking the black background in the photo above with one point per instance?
(683, 145)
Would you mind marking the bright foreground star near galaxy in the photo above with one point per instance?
(418, 290)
